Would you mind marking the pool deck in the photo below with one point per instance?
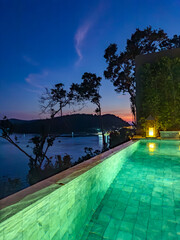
(142, 203)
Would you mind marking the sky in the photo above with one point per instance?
(44, 42)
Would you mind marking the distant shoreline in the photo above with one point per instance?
(79, 124)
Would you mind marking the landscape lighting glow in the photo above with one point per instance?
(151, 147)
(151, 132)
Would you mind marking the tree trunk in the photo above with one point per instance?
(102, 130)
(133, 105)
(61, 109)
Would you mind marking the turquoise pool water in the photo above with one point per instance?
(143, 202)
(134, 194)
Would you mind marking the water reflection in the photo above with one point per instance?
(101, 139)
(151, 147)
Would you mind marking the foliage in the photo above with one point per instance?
(55, 99)
(88, 90)
(89, 153)
(41, 145)
(36, 174)
(161, 93)
(121, 66)
(175, 41)
(120, 136)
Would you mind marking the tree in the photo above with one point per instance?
(41, 143)
(88, 90)
(175, 41)
(121, 66)
(55, 99)
(40, 165)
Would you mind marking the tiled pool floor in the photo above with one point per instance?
(143, 202)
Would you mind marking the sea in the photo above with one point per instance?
(14, 164)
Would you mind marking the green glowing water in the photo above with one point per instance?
(143, 202)
(134, 194)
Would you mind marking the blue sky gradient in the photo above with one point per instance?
(45, 42)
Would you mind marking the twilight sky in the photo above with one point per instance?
(43, 42)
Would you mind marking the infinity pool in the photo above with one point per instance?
(143, 202)
(133, 194)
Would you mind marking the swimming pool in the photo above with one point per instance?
(132, 194)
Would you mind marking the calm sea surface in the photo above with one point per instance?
(14, 164)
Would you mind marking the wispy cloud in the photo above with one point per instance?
(80, 36)
(84, 28)
(30, 60)
(47, 78)
(37, 80)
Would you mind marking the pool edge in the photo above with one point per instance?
(61, 178)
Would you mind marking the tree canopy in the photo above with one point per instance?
(55, 99)
(88, 90)
(121, 66)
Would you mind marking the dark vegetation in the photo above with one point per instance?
(38, 159)
(88, 90)
(89, 153)
(118, 137)
(160, 94)
(121, 65)
(87, 123)
(54, 100)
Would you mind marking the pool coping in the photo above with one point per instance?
(60, 179)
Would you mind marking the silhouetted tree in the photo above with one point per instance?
(40, 165)
(89, 153)
(121, 66)
(175, 41)
(41, 143)
(88, 90)
(55, 99)
(6, 128)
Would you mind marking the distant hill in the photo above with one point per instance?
(70, 123)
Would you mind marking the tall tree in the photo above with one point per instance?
(88, 90)
(54, 100)
(121, 66)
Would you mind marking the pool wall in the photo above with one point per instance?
(62, 214)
